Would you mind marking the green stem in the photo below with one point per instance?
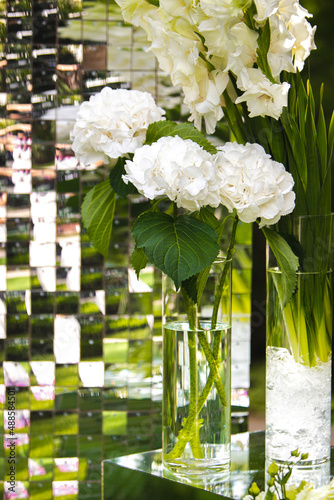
(221, 284)
(191, 309)
(156, 203)
(174, 211)
(191, 424)
(194, 441)
(213, 366)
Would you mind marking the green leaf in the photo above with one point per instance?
(97, 212)
(297, 157)
(207, 216)
(301, 102)
(310, 97)
(263, 42)
(180, 248)
(313, 177)
(322, 142)
(295, 246)
(190, 287)
(331, 138)
(116, 181)
(287, 262)
(138, 260)
(166, 128)
(269, 495)
(264, 38)
(234, 119)
(286, 476)
(195, 285)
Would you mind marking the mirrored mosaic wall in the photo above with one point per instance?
(80, 336)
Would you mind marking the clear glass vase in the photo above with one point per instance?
(197, 377)
(299, 350)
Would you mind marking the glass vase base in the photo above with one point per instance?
(214, 482)
(216, 462)
(315, 472)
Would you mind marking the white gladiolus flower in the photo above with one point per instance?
(289, 8)
(224, 9)
(133, 11)
(265, 9)
(176, 168)
(186, 9)
(304, 40)
(281, 44)
(215, 35)
(253, 184)
(113, 123)
(241, 47)
(207, 103)
(263, 98)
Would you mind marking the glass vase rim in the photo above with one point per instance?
(220, 325)
(276, 269)
(306, 216)
(220, 259)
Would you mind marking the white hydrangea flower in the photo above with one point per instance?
(176, 168)
(263, 98)
(113, 123)
(253, 184)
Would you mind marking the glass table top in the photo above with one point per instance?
(142, 476)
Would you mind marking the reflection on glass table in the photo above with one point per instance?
(142, 475)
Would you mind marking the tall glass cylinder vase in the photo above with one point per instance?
(299, 348)
(197, 376)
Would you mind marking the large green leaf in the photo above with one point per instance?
(179, 247)
(138, 260)
(97, 212)
(166, 128)
(116, 181)
(287, 261)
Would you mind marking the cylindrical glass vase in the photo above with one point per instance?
(299, 349)
(197, 377)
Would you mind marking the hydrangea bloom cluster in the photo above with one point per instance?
(176, 168)
(201, 43)
(113, 123)
(240, 177)
(253, 184)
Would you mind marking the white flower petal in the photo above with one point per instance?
(253, 184)
(113, 123)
